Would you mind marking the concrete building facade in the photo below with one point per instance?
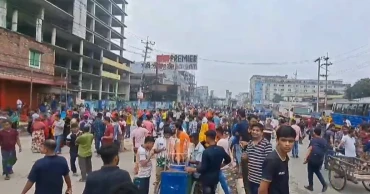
(202, 94)
(87, 39)
(184, 81)
(242, 98)
(263, 88)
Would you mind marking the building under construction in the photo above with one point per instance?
(68, 48)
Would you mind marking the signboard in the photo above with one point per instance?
(179, 62)
(140, 95)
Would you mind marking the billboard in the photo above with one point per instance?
(179, 62)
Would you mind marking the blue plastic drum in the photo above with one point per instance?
(175, 182)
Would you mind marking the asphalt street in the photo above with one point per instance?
(298, 172)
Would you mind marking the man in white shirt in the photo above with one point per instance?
(108, 114)
(348, 142)
(349, 124)
(144, 156)
(161, 148)
(19, 104)
(297, 130)
(196, 154)
(227, 172)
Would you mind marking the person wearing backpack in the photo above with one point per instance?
(315, 158)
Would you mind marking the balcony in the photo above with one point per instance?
(110, 75)
(115, 64)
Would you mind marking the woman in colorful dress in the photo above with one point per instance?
(38, 136)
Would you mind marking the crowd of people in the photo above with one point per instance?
(215, 145)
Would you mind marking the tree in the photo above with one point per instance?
(277, 98)
(360, 89)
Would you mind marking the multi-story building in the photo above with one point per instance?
(242, 98)
(263, 88)
(164, 84)
(79, 41)
(202, 95)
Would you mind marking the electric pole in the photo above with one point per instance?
(295, 88)
(326, 64)
(31, 89)
(147, 49)
(318, 61)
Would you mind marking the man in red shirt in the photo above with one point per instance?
(211, 124)
(8, 138)
(109, 131)
(149, 125)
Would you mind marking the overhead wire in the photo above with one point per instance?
(231, 62)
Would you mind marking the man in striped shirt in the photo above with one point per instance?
(256, 151)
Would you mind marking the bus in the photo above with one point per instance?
(355, 112)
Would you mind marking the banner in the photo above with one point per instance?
(179, 62)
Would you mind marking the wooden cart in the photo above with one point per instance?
(342, 169)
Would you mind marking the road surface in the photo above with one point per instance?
(298, 173)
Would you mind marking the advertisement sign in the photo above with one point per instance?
(140, 95)
(179, 62)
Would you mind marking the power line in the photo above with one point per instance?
(350, 51)
(133, 52)
(135, 35)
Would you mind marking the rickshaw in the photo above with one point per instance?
(348, 169)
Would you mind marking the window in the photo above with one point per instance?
(367, 110)
(360, 109)
(338, 108)
(334, 107)
(35, 59)
(314, 91)
(345, 108)
(289, 90)
(282, 90)
(352, 109)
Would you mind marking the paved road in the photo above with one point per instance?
(27, 158)
(298, 174)
(298, 178)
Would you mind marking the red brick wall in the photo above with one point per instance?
(14, 53)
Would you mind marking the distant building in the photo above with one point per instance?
(162, 85)
(242, 98)
(201, 93)
(263, 88)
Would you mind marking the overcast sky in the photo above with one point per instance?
(250, 31)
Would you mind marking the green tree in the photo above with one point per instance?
(277, 98)
(360, 89)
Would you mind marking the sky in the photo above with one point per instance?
(291, 34)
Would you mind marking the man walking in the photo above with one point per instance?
(8, 139)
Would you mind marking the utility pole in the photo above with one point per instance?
(147, 49)
(295, 88)
(31, 89)
(326, 64)
(67, 80)
(318, 61)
